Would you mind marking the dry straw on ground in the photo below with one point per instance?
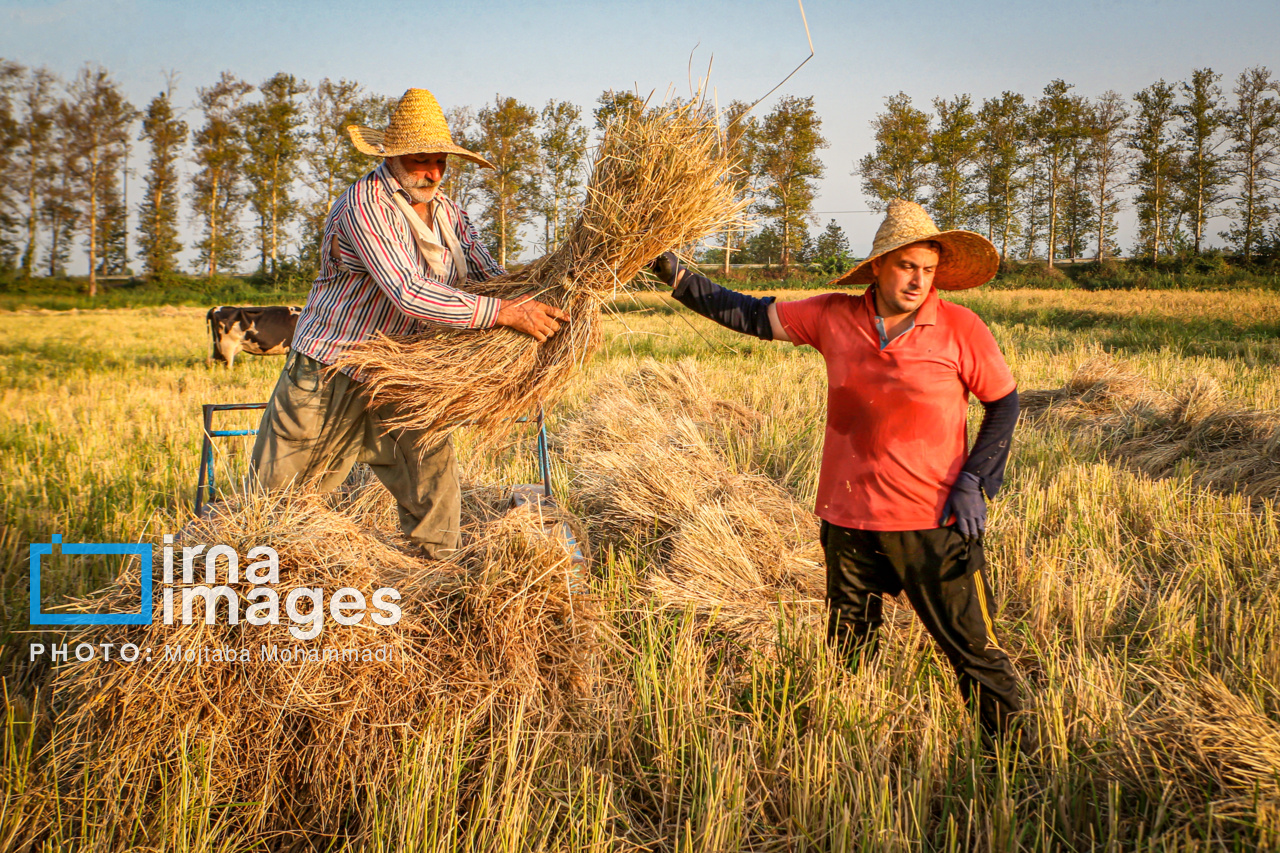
(660, 181)
(1200, 736)
(733, 547)
(309, 744)
(1223, 446)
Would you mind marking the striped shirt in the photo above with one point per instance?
(376, 280)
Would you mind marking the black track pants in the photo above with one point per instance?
(942, 576)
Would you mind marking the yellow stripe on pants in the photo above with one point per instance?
(986, 613)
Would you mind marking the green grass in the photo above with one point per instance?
(1121, 598)
(65, 294)
(1212, 273)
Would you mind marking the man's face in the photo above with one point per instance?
(904, 278)
(419, 174)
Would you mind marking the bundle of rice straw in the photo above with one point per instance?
(661, 180)
(735, 548)
(1192, 739)
(1229, 448)
(304, 746)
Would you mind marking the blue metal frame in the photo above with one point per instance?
(205, 489)
(544, 459)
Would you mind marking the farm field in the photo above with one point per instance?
(1138, 591)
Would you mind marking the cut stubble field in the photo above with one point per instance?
(1140, 600)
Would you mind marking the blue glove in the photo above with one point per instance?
(968, 506)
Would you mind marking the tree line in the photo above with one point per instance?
(1046, 177)
(264, 163)
(269, 154)
(1042, 177)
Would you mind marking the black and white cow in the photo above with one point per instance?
(257, 330)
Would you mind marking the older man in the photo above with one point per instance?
(900, 494)
(396, 254)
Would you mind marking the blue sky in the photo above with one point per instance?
(468, 52)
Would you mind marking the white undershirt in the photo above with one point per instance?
(441, 259)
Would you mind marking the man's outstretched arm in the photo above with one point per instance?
(737, 311)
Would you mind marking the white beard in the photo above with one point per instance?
(422, 195)
(421, 191)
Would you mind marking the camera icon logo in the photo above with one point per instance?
(142, 552)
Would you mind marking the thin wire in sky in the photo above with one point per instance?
(805, 21)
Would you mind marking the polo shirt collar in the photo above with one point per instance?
(926, 314)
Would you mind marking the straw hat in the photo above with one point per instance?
(967, 259)
(418, 127)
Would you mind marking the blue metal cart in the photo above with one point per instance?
(539, 495)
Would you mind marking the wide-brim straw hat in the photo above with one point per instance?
(966, 260)
(418, 127)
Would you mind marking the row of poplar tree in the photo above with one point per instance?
(1046, 177)
(1041, 178)
(263, 164)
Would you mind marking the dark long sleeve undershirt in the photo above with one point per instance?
(990, 451)
(733, 310)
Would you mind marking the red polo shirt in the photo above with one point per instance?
(896, 435)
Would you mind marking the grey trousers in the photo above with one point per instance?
(317, 425)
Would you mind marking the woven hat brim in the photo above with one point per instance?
(370, 141)
(968, 260)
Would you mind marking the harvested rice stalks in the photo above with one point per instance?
(736, 548)
(1199, 740)
(298, 740)
(1225, 447)
(660, 180)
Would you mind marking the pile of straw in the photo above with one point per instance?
(735, 548)
(661, 180)
(312, 743)
(1198, 740)
(1225, 447)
